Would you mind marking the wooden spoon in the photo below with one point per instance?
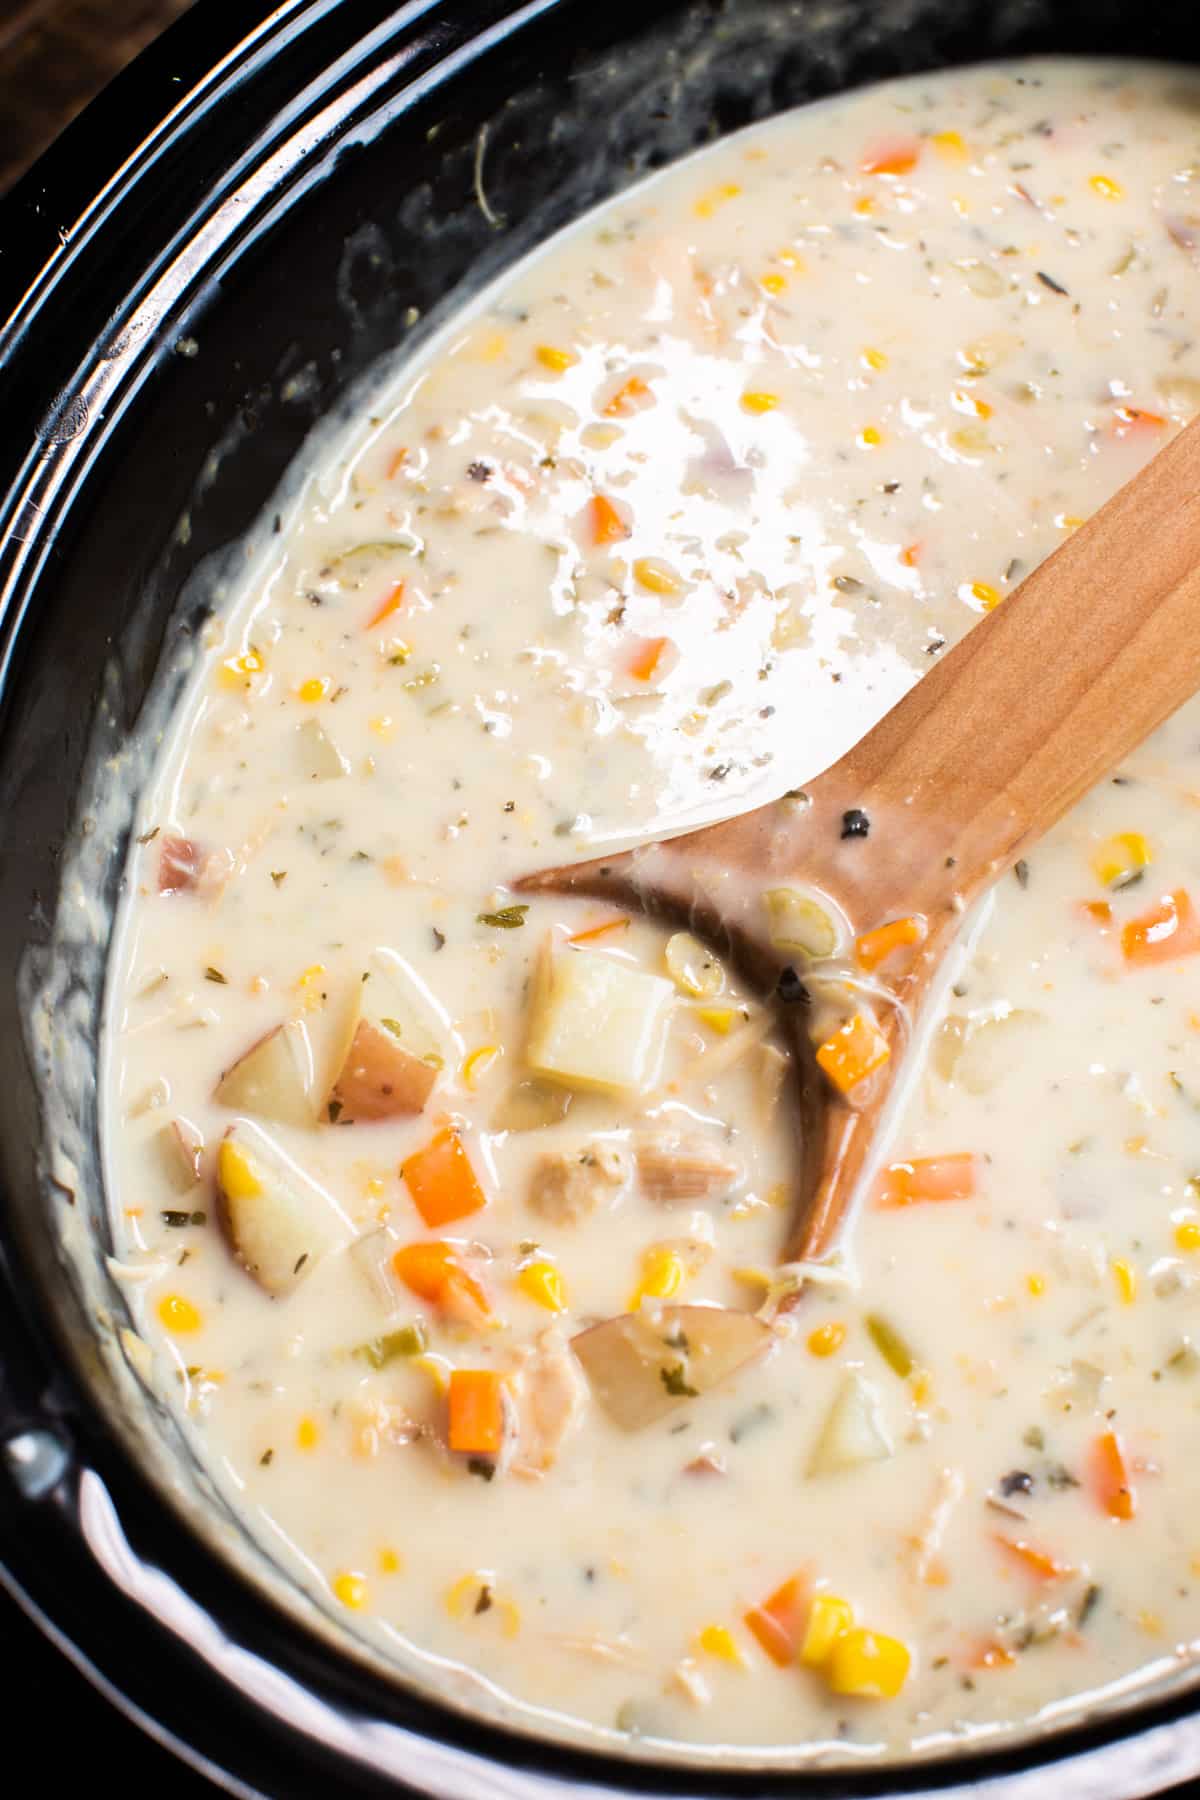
(1039, 701)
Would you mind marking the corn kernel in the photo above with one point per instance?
(865, 206)
(1119, 857)
(663, 1275)
(308, 1434)
(1151, 1623)
(654, 575)
(542, 1283)
(829, 1618)
(868, 1664)
(1125, 1276)
(1069, 521)
(478, 1063)
(314, 689)
(921, 1387)
(949, 145)
(351, 1590)
(390, 1561)
(491, 347)
(1036, 1285)
(708, 203)
(1187, 1234)
(774, 283)
(236, 671)
(555, 359)
(374, 1187)
(718, 1018)
(1106, 187)
(980, 594)
(875, 359)
(759, 400)
(790, 260)
(870, 437)
(178, 1314)
(827, 1339)
(719, 1641)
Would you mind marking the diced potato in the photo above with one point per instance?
(994, 1048)
(320, 758)
(180, 1148)
(643, 1365)
(379, 1080)
(279, 1222)
(274, 1079)
(598, 1023)
(853, 1432)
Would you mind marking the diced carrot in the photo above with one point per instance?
(646, 655)
(396, 463)
(876, 946)
(910, 555)
(1111, 1482)
(778, 1623)
(1034, 1560)
(441, 1180)
(1129, 421)
(630, 397)
(1098, 911)
(855, 1051)
(608, 527)
(179, 865)
(476, 1402)
(390, 603)
(894, 156)
(928, 1178)
(1169, 930)
(432, 1270)
(592, 932)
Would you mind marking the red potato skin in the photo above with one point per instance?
(379, 1080)
(179, 864)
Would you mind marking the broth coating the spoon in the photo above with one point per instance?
(455, 1213)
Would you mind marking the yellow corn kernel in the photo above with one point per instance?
(854, 1052)
(980, 594)
(719, 1641)
(1125, 1276)
(390, 1561)
(383, 726)
(773, 282)
(869, 1665)
(827, 1339)
(971, 403)
(707, 204)
(178, 1314)
(875, 359)
(920, 1386)
(949, 145)
(1151, 1623)
(308, 1434)
(510, 1617)
(542, 1283)
(478, 1063)
(236, 671)
(870, 437)
(1119, 857)
(829, 1618)
(314, 689)
(718, 1018)
(374, 1187)
(554, 359)
(466, 1591)
(758, 400)
(1106, 187)
(1036, 1285)
(790, 260)
(351, 1590)
(491, 346)
(1068, 521)
(864, 206)
(1187, 1234)
(438, 1369)
(654, 575)
(663, 1275)
(309, 986)
(235, 1174)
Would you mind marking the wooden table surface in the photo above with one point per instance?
(55, 55)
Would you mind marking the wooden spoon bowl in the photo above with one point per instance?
(1041, 699)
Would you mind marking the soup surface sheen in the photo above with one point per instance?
(655, 534)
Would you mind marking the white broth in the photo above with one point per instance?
(662, 528)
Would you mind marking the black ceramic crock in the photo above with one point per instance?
(205, 263)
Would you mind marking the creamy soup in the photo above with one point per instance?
(451, 1218)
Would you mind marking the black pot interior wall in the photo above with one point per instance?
(384, 208)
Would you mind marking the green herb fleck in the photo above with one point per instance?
(507, 919)
(176, 1220)
(747, 1422)
(409, 1340)
(278, 876)
(890, 1345)
(335, 1111)
(394, 1026)
(211, 974)
(479, 1465)
(674, 1380)
(265, 1460)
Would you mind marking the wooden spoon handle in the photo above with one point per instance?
(1044, 695)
